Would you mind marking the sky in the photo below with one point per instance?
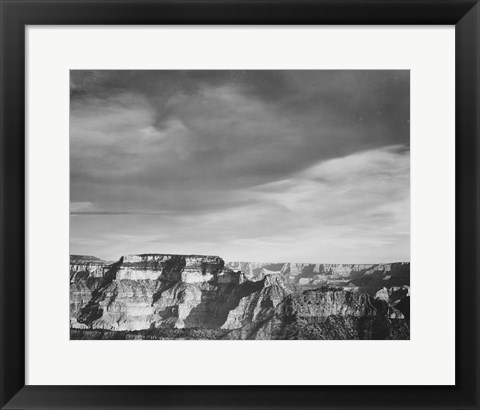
(260, 166)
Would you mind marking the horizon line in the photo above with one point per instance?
(240, 261)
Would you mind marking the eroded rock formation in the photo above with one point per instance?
(150, 291)
(333, 313)
(86, 275)
(156, 294)
(301, 276)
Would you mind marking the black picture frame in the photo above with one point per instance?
(17, 14)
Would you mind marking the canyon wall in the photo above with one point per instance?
(237, 300)
(301, 276)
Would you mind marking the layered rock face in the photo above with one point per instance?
(188, 269)
(83, 267)
(301, 276)
(150, 291)
(332, 313)
(156, 295)
(86, 275)
(257, 307)
(398, 297)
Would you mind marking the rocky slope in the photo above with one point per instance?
(153, 295)
(331, 313)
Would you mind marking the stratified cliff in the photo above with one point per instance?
(86, 275)
(176, 291)
(330, 313)
(155, 295)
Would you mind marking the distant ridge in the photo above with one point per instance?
(231, 262)
(85, 258)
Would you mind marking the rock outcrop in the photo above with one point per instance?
(86, 275)
(332, 313)
(150, 291)
(257, 307)
(83, 267)
(154, 295)
(302, 276)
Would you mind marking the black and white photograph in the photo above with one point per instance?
(239, 205)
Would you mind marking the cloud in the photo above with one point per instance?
(350, 209)
(241, 160)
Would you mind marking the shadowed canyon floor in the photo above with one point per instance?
(160, 296)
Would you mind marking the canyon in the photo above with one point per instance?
(164, 296)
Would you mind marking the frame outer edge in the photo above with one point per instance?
(467, 157)
(12, 223)
(12, 203)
